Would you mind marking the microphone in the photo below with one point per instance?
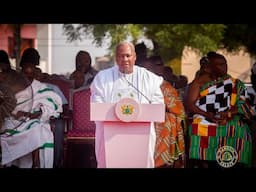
(130, 84)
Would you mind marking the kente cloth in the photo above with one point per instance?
(170, 145)
(110, 85)
(23, 136)
(207, 137)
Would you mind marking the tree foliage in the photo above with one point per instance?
(169, 39)
(240, 36)
(102, 33)
(172, 38)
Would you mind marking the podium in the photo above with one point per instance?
(126, 127)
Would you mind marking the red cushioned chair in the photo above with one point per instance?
(81, 137)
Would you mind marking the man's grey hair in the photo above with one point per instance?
(126, 43)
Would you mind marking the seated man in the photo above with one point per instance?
(28, 128)
(219, 105)
(57, 124)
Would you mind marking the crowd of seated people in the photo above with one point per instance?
(178, 147)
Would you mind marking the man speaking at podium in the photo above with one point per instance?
(125, 80)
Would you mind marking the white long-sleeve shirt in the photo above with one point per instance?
(110, 85)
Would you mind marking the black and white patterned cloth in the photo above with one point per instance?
(218, 97)
(252, 96)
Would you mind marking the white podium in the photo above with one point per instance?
(127, 131)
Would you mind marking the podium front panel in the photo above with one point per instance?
(127, 144)
(148, 112)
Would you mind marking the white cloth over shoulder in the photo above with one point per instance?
(23, 137)
(110, 85)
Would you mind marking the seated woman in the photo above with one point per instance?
(84, 65)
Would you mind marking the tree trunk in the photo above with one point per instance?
(17, 44)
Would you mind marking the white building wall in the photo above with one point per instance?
(239, 65)
(42, 45)
(63, 53)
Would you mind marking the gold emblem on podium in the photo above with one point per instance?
(127, 109)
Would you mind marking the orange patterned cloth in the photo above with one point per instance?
(170, 144)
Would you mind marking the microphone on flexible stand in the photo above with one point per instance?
(129, 83)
